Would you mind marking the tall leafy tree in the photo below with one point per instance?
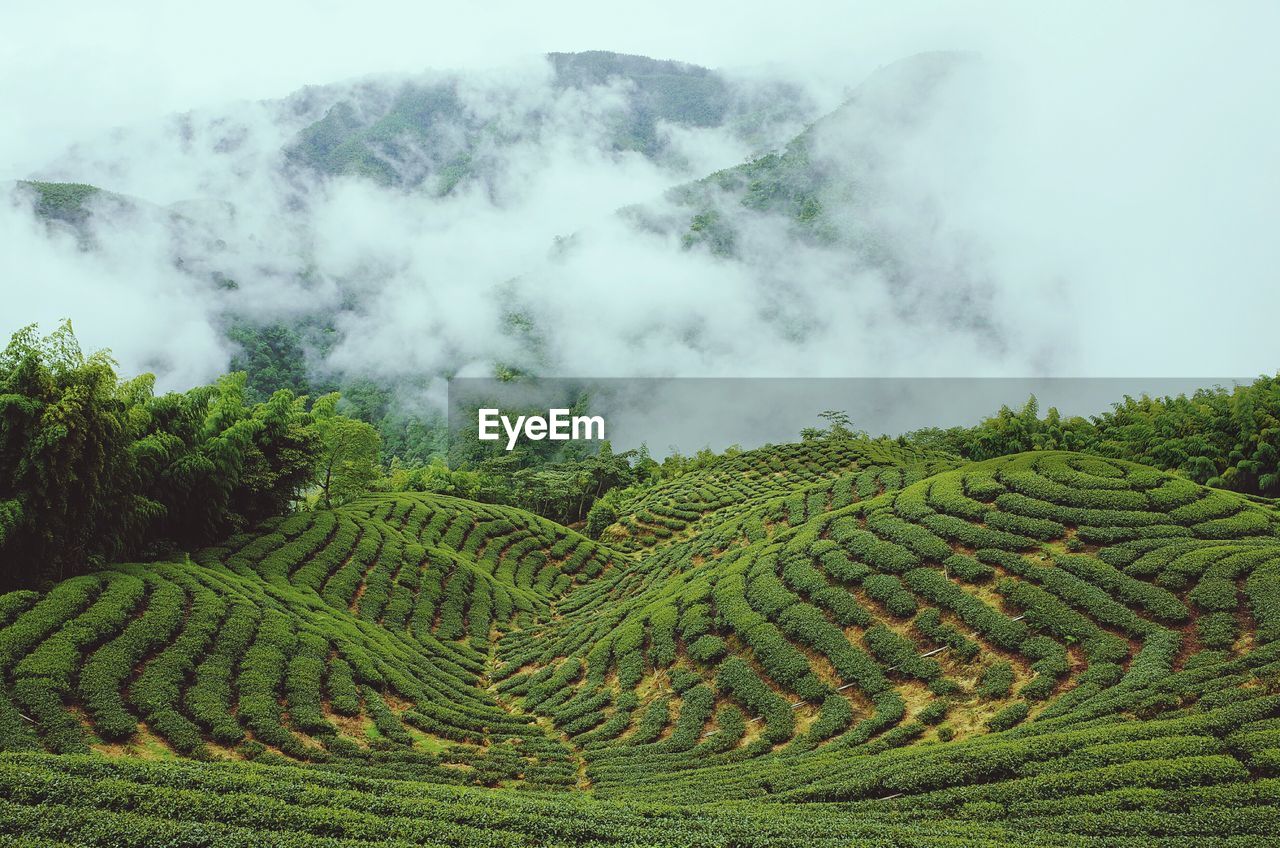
(93, 468)
(347, 465)
(65, 490)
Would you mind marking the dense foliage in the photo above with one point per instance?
(61, 201)
(94, 468)
(1227, 438)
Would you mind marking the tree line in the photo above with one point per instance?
(1226, 438)
(96, 468)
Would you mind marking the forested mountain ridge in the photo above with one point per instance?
(455, 136)
(278, 306)
(813, 182)
(421, 135)
(440, 131)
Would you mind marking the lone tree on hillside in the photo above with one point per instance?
(839, 428)
(348, 463)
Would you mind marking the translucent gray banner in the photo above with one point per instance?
(687, 414)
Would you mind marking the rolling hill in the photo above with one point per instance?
(824, 183)
(829, 643)
(425, 134)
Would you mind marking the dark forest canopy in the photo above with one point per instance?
(96, 468)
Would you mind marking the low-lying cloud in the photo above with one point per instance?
(1090, 199)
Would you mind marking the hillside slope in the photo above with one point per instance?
(807, 644)
(431, 134)
(824, 184)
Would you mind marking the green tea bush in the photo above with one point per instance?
(996, 681)
(888, 591)
(1011, 715)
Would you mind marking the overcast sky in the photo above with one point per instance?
(68, 66)
(1109, 180)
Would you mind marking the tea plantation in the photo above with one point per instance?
(839, 642)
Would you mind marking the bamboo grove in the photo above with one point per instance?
(96, 468)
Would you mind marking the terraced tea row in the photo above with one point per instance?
(336, 637)
(1107, 792)
(1042, 649)
(737, 482)
(967, 602)
(429, 564)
